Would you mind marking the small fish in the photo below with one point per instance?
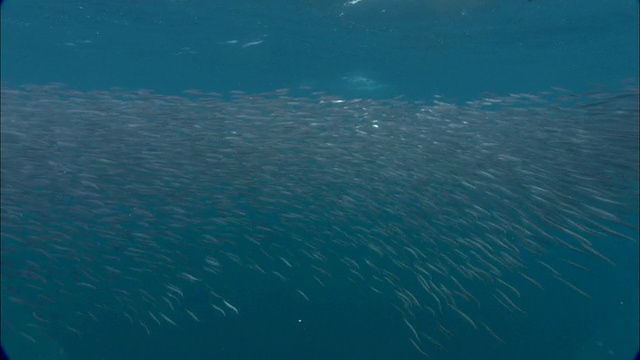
(168, 320)
(302, 294)
(226, 303)
(192, 315)
(219, 309)
(253, 43)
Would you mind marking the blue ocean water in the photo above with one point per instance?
(419, 48)
(369, 50)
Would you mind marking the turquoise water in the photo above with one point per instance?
(374, 180)
(417, 48)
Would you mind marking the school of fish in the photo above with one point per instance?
(128, 203)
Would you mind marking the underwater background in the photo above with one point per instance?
(367, 179)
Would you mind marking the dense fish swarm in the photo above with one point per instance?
(130, 203)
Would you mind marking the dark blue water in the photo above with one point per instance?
(460, 50)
